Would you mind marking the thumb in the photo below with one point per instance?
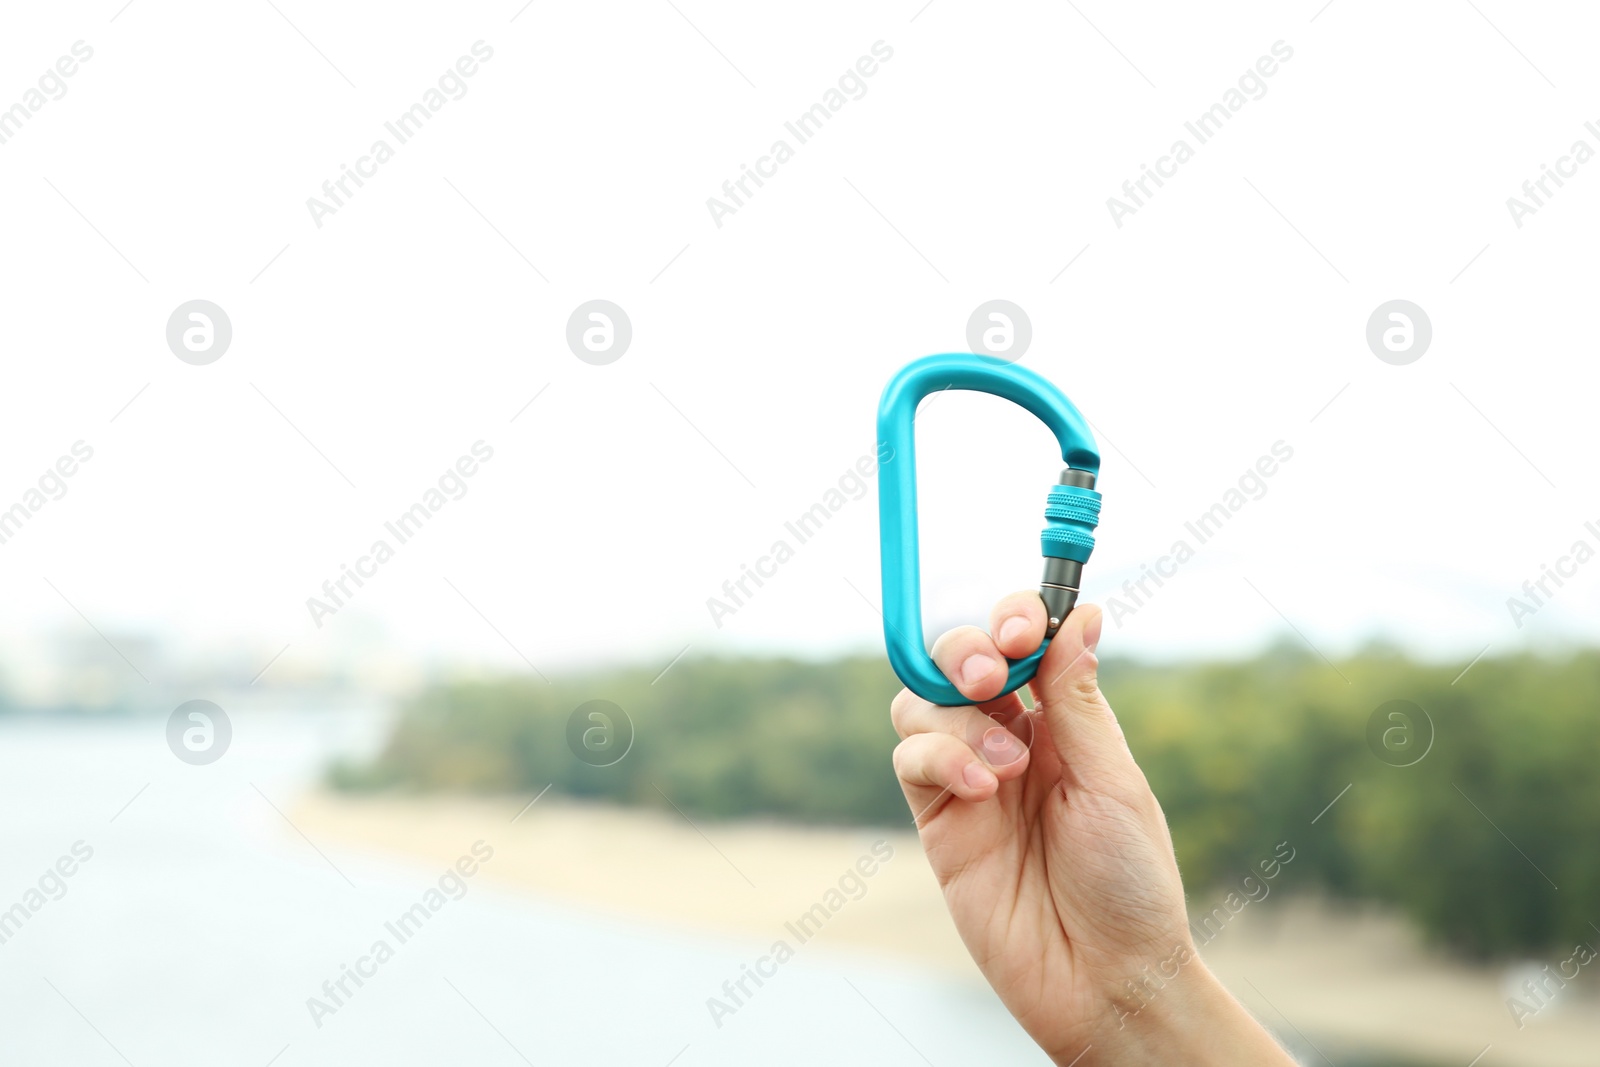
(1082, 726)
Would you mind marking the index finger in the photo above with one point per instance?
(972, 662)
(975, 662)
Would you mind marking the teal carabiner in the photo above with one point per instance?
(1071, 513)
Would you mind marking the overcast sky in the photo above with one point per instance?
(368, 354)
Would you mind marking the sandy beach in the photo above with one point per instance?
(1345, 980)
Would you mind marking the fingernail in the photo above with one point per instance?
(1091, 633)
(977, 776)
(1001, 747)
(1013, 627)
(976, 667)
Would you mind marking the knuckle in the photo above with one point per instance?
(904, 759)
(1025, 603)
(954, 644)
(900, 708)
(1085, 689)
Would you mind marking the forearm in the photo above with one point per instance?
(1190, 1020)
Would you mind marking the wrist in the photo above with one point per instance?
(1175, 1011)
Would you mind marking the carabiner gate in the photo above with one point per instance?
(1071, 513)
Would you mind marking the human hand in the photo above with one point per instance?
(1054, 856)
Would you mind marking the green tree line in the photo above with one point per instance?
(1474, 806)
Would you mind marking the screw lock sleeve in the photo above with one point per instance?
(1071, 514)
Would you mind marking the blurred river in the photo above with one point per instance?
(202, 922)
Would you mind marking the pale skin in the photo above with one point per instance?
(1054, 855)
